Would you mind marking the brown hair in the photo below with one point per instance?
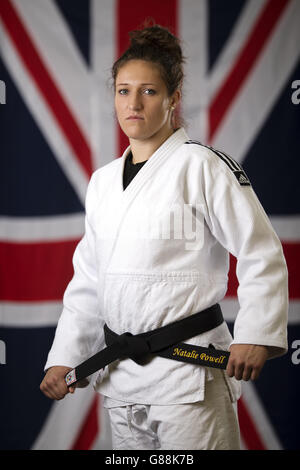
(158, 45)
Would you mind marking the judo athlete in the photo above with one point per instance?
(142, 308)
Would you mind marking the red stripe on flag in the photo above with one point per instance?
(45, 83)
(35, 271)
(41, 271)
(232, 279)
(249, 433)
(292, 256)
(89, 430)
(128, 18)
(247, 58)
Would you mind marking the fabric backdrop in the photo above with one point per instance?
(241, 95)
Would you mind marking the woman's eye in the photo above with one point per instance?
(149, 91)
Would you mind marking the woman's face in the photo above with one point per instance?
(142, 103)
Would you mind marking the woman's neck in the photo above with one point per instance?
(143, 149)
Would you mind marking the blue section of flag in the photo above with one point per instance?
(272, 163)
(278, 387)
(32, 183)
(23, 406)
(77, 16)
(221, 19)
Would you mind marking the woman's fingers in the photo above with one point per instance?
(53, 385)
(246, 361)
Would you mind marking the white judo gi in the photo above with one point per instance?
(158, 252)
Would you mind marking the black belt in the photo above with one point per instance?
(165, 342)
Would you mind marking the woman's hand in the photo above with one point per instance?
(54, 385)
(246, 361)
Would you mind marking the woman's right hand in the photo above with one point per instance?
(54, 385)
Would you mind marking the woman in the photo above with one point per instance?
(136, 268)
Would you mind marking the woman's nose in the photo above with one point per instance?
(135, 101)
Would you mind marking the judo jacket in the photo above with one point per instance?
(158, 252)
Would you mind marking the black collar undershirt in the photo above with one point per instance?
(130, 170)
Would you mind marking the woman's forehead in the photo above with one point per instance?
(139, 71)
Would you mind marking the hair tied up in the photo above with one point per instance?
(159, 38)
(158, 45)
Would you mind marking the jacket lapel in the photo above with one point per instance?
(152, 165)
(121, 200)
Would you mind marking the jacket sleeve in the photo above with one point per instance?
(79, 331)
(238, 221)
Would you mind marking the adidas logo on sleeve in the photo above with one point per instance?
(242, 178)
(234, 166)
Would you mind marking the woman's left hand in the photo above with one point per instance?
(246, 361)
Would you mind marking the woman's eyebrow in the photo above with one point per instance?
(142, 84)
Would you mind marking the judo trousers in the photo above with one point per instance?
(211, 424)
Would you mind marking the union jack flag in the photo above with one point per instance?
(58, 126)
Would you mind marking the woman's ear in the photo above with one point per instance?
(176, 97)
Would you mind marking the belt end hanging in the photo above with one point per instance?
(70, 378)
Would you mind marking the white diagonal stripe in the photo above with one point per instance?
(44, 118)
(262, 422)
(64, 422)
(231, 49)
(59, 52)
(249, 110)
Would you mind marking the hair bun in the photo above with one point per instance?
(157, 37)
(158, 45)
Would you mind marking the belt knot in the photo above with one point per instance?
(134, 346)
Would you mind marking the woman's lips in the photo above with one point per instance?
(134, 118)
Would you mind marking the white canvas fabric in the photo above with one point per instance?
(158, 252)
(210, 424)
